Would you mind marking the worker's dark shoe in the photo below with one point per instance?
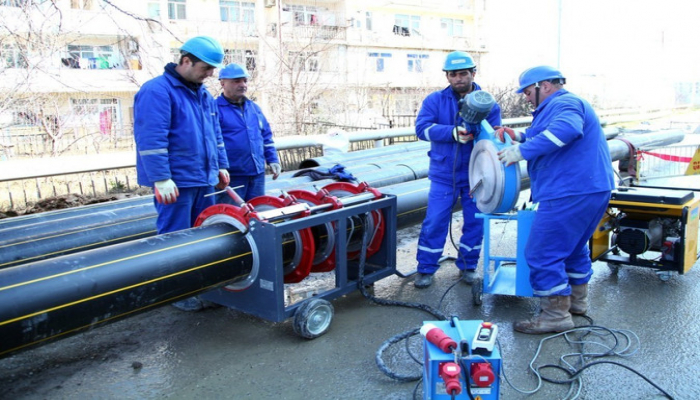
(555, 317)
(423, 280)
(579, 299)
(193, 304)
(467, 276)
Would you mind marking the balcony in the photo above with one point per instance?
(310, 32)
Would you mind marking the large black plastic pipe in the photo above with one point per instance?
(52, 238)
(70, 235)
(56, 298)
(355, 155)
(34, 242)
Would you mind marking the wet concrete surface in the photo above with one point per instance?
(224, 354)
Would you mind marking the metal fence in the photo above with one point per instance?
(22, 194)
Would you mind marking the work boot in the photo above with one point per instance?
(579, 299)
(422, 280)
(555, 317)
(467, 276)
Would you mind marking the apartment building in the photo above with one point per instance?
(76, 64)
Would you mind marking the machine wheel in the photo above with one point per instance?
(313, 318)
(664, 275)
(477, 291)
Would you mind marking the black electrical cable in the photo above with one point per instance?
(382, 366)
(574, 375)
(361, 286)
(465, 371)
(397, 338)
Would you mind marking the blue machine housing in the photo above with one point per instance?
(461, 332)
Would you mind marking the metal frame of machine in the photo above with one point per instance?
(312, 317)
(649, 227)
(510, 280)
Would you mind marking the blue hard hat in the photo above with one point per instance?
(206, 49)
(538, 74)
(457, 60)
(233, 71)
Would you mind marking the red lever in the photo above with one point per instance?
(438, 337)
(449, 372)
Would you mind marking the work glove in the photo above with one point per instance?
(460, 135)
(224, 179)
(510, 155)
(276, 170)
(166, 191)
(501, 131)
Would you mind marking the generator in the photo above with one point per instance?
(461, 360)
(649, 227)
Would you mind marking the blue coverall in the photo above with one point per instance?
(177, 136)
(248, 139)
(568, 161)
(449, 179)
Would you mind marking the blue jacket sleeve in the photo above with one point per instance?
(427, 126)
(565, 127)
(152, 118)
(220, 147)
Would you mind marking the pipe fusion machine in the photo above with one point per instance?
(348, 237)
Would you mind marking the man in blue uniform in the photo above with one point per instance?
(180, 151)
(571, 177)
(247, 136)
(450, 148)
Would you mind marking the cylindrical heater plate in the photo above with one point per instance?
(495, 187)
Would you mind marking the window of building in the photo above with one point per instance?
(305, 61)
(305, 15)
(91, 57)
(12, 57)
(97, 112)
(452, 27)
(368, 20)
(380, 60)
(177, 9)
(415, 62)
(236, 11)
(243, 57)
(154, 9)
(406, 25)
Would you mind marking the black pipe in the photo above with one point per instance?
(33, 242)
(354, 155)
(8, 225)
(56, 298)
(84, 231)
